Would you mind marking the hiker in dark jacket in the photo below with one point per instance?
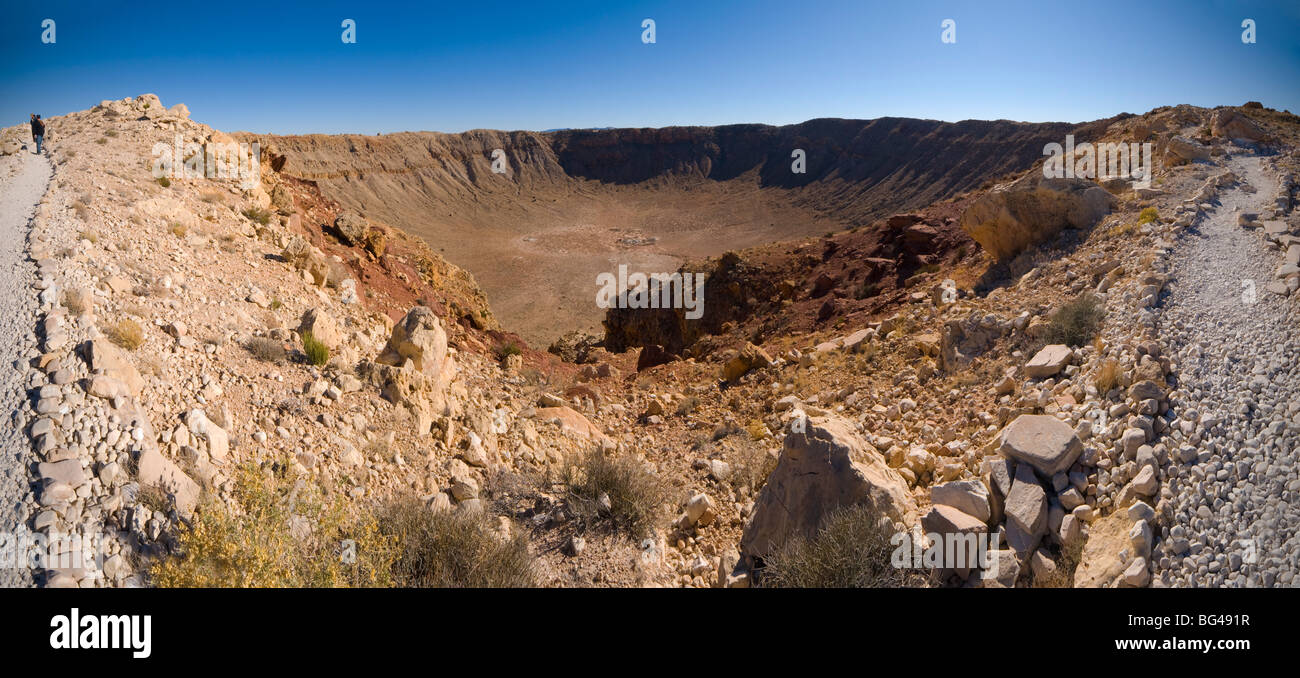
(38, 131)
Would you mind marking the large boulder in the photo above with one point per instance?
(303, 256)
(1026, 510)
(945, 519)
(218, 441)
(1181, 149)
(414, 368)
(418, 337)
(1033, 209)
(351, 228)
(573, 424)
(748, 358)
(1048, 361)
(1230, 124)
(820, 469)
(156, 470)
(322, 327)
(968, 496)
(1042, 441)
(108, 360)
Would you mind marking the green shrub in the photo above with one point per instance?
(164, 182)
(1077, 322)
(508, 349)
(317, 352)
(1147, 216)
(852, 549)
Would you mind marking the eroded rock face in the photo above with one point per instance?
(1031, 210)
(419, 337)
(821, 469)
(414, 368)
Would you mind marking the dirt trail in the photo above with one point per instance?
(23, 180)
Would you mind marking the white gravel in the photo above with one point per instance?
(23, 180)
(1233, 477)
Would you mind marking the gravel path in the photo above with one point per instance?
(23, 179)
(1233, 478)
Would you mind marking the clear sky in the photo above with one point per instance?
(283, 68)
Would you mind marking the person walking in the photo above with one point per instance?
(38, 132)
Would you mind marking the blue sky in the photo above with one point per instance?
(449, 67)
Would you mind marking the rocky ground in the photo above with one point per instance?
(171, 353)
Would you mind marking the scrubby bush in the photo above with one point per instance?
(164, 182)
(281, 534)
(452, 549)
(508, 349)
(1147, 216)
(621, 489)
(852, 549)
(257, 214)
(1107, 376)
(126, 333)
(1077, 322)
(266, 349)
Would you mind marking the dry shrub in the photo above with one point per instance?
(754, 468)
(452, 549)
(1107, 376)
(266, 349)
(72, 302)
(212, 197)
(1077, 322)
(621, 490)
(1066, 565)
(256, 545)
(851, 550)
(126, 333)
(258, 215)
